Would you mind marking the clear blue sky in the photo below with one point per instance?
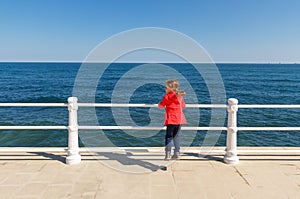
(230, 30)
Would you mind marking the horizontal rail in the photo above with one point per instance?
(206, 106)
(33, 127)
(141, 105)
(106, 105)
(268, 128)
(149, 128)
(186, 128)
(116, 105)
(268, 106)
(148, 105)
(108, 128)
(33, 149)
(33, 104)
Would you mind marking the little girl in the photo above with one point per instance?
(174, 103)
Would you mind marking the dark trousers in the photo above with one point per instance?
(172, 134)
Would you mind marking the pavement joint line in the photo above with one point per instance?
(242, 176)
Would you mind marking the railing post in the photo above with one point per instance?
(73, 148)
(231, 142)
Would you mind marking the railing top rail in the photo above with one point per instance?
(106, 105)
(148, 105)
(186, 128)
(268, 128)
(268, 106)
(33, 127)
(33, 104)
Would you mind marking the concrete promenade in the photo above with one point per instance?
(140, 173)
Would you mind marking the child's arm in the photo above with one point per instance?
(162, 104)
(183, 103)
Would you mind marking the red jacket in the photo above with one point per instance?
(174, 106)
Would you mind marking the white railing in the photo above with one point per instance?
(73, 157)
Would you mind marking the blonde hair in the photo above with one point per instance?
(173, 85)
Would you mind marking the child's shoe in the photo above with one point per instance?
(168, 156)
(176, 156)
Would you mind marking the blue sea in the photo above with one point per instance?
(54, 83)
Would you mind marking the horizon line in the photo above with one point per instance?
(164, 62)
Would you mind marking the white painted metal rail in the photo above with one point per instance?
(33, 105)
(148, 105)
(268, 128)
(33, 128)
(267, 106)
(150, 128)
